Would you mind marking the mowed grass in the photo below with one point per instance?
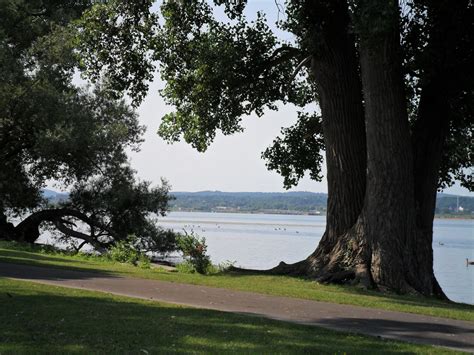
(272, 285)
(43, 319)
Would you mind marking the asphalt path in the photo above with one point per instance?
(454, 334)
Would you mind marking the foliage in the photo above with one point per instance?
(242, 79)
(217, 72)
(124, 252)
(121, 206)
(194, 251)
(298, 151)
(128, 64)
(424, 36)
(185, 267)
(208, 201)
(249, 201)
(50, 129)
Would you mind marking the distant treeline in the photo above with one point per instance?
(294, 202)
(250, 201)
(277, 202)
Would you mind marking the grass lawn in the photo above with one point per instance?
(46, 319)
(273, 285)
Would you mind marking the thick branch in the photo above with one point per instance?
(282, 55)
(28, 229)
(79, 235)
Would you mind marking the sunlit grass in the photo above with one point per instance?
(272, 285)
(43, 319)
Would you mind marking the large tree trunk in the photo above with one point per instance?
(389, 207)
(401, 258)
(429, 135)
(431, 127)
(334, 68)
(374, 228)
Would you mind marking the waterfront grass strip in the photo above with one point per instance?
(271, 285)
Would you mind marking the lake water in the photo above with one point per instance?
(261, 241)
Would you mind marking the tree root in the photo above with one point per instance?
(283, 269)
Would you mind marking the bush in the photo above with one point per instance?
(124, 252)
(144, 262)
(194, 251)
(186, 267)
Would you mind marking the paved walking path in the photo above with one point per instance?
(393, 325)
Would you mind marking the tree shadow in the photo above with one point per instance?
(420, 332)
(32, 255)
(34, 271)
(48, 320)
(352, 295)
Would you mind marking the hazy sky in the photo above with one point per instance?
(232, 163)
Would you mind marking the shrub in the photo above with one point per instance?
(144, 262)
(124, 252)
(186, 267)
(194, 251)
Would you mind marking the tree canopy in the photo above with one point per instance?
(218, 71)
(53, 130)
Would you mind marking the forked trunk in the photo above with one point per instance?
(372, 235)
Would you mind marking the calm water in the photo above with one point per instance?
(262, 241)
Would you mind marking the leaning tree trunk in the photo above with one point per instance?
(6, 228)
(28, 230)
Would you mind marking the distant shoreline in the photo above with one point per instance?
(303, 213)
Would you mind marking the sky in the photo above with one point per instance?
(231, 163)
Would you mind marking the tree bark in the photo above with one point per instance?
(334, 68)
(389, 206)
(429, 135)
(372, 235)
(401, 258)
(431, 127)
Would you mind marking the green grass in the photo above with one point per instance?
(272, 285)
(43, 319)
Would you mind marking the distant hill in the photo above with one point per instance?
(453, 204)
(53, 196)
(288, 202)
(276, 202)
(303, 202)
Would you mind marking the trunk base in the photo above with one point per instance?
(349, 262)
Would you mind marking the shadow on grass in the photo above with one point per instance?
(43, 319)
(424, 332)
(369, 296)
(34, 255)
(32, 271)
